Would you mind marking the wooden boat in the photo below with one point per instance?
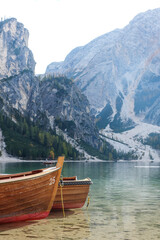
(74, 193)
(29, 195)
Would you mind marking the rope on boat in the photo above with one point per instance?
(61, 186)
(88, 202)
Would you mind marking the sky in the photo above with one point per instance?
(58, 26)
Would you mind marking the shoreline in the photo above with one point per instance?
(6, 159)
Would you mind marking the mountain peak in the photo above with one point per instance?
(15, 55)
(115, 70)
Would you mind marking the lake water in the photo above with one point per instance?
(124, 204)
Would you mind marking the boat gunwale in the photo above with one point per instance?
(31, 175)
(86, 181)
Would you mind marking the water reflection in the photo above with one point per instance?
(15, 167)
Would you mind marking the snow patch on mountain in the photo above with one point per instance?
(74, 144)
(130, 141)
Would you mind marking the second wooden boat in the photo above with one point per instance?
(72, 193)
(29, 195)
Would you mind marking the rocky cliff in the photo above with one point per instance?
(15, 56)
(64, 106)
(119, 73)
(51, 101)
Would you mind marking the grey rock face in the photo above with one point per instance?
(16, 91)
(120, 65)
(60, 100)
(50, 101)
(15, 55)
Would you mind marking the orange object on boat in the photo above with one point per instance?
(29, 195)
(74, 191)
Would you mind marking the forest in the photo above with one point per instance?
(27, 140)
(30, 140)
(153, 140)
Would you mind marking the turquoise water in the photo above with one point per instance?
(124, 204)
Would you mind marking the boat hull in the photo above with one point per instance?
(31, 216)
(28, 196)
(74, 194)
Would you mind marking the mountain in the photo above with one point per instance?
(17, 65)
(119, 72)
(64, 106)
(51, 102)
(113, 81)
(15, 56)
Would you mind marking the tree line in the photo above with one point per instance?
(153, 140)
(27, 140)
